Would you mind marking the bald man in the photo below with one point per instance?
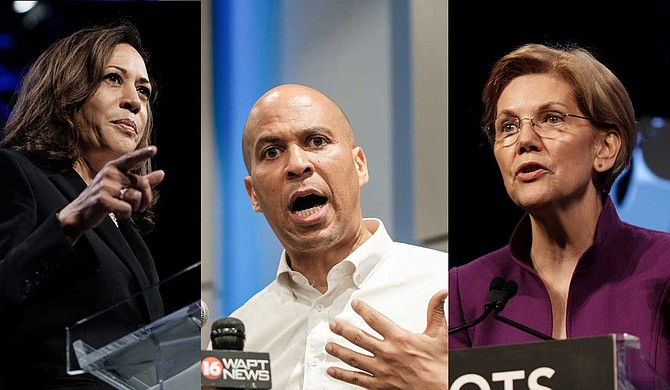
(316, 319)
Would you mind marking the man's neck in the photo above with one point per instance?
(316, 265)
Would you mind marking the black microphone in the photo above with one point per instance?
(495, 295)
(228, 333)
(227, 366)
(508, 291)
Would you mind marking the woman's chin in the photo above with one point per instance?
(532, 202)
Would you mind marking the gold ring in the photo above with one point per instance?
(122, 191)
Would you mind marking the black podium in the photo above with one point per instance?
(596, 363)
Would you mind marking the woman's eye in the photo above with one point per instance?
(144, 91)
(553, 119)
(113, 77)
(508, 127)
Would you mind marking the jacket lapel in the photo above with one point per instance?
(152, 295)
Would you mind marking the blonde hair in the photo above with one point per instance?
(599, 94)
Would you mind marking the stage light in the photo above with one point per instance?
(21, 7)
(658, 122)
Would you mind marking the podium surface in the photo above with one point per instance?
(163, 355)
(597, 363)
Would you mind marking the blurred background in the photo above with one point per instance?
(171, 34)
(383, 61)
(632, 40)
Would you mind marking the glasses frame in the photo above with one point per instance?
(491, 125)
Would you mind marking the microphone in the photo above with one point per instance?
(508, 291)
(204, 313)
(228, 333)
(496, 294)
(227, 366)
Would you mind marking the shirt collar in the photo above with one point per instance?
(363, 259)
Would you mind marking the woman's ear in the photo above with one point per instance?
(607, 149)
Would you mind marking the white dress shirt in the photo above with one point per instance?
(289, 319)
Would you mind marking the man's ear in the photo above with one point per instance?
(361, 165)
(607, 150)
(252, 194)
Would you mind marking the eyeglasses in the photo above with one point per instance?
(546, 124)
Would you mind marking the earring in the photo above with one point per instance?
(600, 165)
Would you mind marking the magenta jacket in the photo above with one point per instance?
(621, 285)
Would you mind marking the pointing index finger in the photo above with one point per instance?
(130, 160)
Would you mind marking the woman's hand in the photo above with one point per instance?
(115, 189)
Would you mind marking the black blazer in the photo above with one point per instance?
(46, 284)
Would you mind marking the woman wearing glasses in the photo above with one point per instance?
(562, 127)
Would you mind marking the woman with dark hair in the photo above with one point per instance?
(77, 188)
(563, 128)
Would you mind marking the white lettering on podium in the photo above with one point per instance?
(508, 378)
(545, 372)
(473, 379)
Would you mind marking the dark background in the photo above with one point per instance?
(632, 39)
(171, 34)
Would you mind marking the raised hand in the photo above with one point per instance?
(402, 359)
(115, 189)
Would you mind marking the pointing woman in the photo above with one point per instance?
(77, 189)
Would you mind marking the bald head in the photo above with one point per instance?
(292, 106)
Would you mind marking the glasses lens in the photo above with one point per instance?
(506, 130)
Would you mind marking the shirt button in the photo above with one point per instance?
(319, 307)
(313, 361)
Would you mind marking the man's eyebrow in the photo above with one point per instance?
(272, 138)
(315, 129)
(267, 139)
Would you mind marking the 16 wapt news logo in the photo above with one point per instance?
(235, 369)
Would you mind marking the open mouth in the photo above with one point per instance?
(530, 171)
(529, 167)
(304, 206)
